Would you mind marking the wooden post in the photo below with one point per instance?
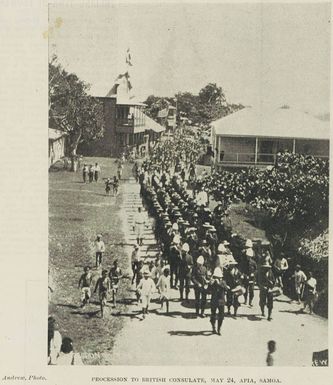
(294, 146)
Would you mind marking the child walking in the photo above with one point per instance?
(145, 289)
(163, 286)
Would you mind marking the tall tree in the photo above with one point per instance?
(72, 109)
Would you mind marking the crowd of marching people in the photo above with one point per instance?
(201, 251)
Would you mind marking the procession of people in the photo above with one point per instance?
(202, 262)
(200, 253)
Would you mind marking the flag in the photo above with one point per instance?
(128, 58)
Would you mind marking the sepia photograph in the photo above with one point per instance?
(188, 184)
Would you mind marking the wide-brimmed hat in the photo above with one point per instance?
(207, 225)
(226, 243)
(186, 247)
(212, 229)
(146, 273)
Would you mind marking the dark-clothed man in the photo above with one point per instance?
(249, 280)
(200, 281)
(218, 288)
(266, 283)
(174, 261)
(234, 279)
(185, 270)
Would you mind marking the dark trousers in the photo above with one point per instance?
(99, 256)
(200, 299)
(91, 176)
(232, 300)
(265, 299)
(215, 308)
(96, 176)
(184, 282)
(84, 175)
(135, 269)
(249, 292)
(174, 270)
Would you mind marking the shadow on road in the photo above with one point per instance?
(88, 314)
(282, 300)
(250, 317)
(297, 312)
(187, 333)
(174, 314)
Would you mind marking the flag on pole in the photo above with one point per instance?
(128, 58)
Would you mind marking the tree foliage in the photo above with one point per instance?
(293, 193)
(71, 109)
(210, 104)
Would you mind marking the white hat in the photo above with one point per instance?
(176, 239)
(146, 272)
(249, 252)
(248, 243)
(175, 226)
(200, 260)
(221, 248)
(186, 247)
(226, 243)
(218, 272)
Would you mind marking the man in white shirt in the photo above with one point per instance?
(139, 225)
(310, 292)
(146, 288)
(280, 267)
(300, 279)
(99, 250)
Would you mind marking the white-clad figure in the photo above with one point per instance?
(139, 225)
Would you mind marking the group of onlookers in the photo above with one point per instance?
(91, 173)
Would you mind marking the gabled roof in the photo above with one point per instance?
(150, 124)
(279, 122)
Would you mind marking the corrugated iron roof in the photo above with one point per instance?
(279, 122)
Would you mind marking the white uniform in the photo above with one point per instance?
(163, 286)
(139, 224)
(146, 288)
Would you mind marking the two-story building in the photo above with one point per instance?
(253, 137)
(127, 127)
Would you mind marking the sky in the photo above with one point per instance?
(260, 54)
